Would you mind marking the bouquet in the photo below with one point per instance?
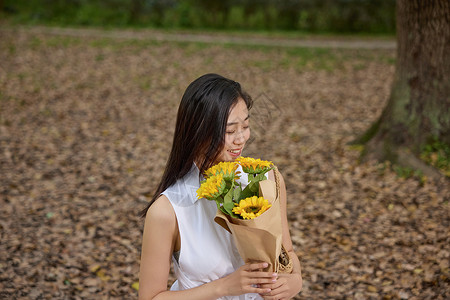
(251, 213)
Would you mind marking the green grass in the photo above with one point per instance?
(437, 154)
(91, 16)
(280, 34)
(406, 172)
(299, 58)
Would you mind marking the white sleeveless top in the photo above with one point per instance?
(207, 250)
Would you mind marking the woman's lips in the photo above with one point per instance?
(235, 153)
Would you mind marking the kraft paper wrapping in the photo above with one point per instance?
(258, 239)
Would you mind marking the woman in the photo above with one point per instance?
(212, 126)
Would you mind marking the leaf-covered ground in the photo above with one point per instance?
(85, 128)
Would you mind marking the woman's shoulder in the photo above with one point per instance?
(160, 224)
(161, 210)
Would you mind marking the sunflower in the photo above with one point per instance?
(254, 166)
(212, 188)
(228, 169)
(252, 207)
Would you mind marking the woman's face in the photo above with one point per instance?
(237, 132)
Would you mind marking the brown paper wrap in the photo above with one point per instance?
(259, 239)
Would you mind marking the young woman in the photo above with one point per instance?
(212, 126)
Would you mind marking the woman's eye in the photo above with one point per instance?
(230, 132)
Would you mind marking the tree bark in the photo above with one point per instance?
(418, 108)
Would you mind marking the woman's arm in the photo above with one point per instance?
(287, 285)
(160, 236)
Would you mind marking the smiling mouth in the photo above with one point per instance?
(235, 152)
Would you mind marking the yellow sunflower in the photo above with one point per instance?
(228, 169)
(212, 187)
(254, 166)
(252, 207)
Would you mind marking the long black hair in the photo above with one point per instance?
(200, 128)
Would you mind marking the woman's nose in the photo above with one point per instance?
(239, 139)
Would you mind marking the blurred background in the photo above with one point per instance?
(337, 16)
(89, 92)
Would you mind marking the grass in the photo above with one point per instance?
(437, 154)
(300, 58)
(276, 34)
(6, 20)
(321, 58)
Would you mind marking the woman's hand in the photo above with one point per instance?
(286, 287)
(247, 279)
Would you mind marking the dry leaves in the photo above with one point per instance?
(85, 129)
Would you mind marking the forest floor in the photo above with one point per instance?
(290, 40)
(86, 123)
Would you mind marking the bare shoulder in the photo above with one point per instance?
(161, 221)
(161, 211)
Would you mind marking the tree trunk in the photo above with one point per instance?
(135, 10)
(418, 107)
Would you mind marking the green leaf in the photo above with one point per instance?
(218, 204)
(246, 192)
(253, 186)
(223, 210)
(252, 189)
(237, 194)
(228, 203)
(258, 178)
(229, 207)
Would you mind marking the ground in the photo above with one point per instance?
(86, 122)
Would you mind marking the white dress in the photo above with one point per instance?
(207, 250)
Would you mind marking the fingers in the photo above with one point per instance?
(259, 290)
(278, 290)
(255, 288)
(264, 282)
(252, 267)
(273, 285)
(262, 277)
(256, 266)
(258, 281)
